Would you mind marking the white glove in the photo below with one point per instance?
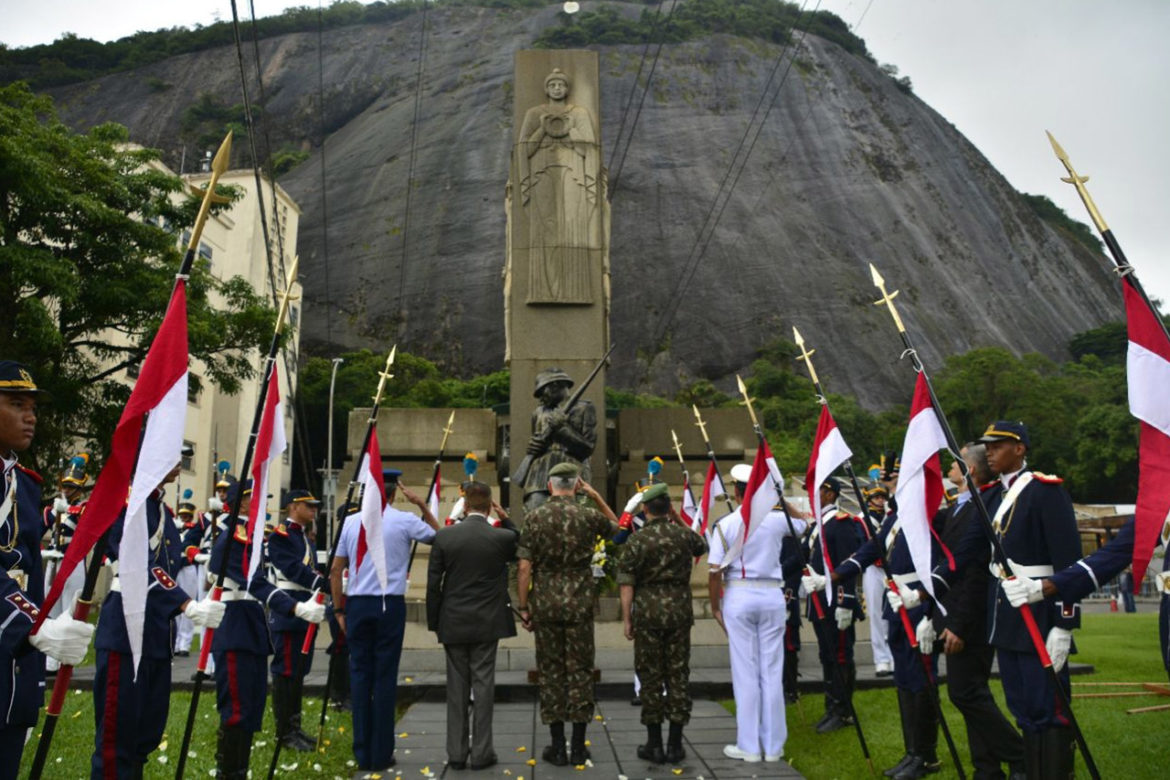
(52, 555)
(63, 638)
(894, 600)
(812, 582)
(201, 557)
(60, 506)
(310, 610)
(1022, 590)
(214, 504)
(205, 613)
(633, 504)
(1059, 644)
(926, 636)
(844, 617)
(910, 597)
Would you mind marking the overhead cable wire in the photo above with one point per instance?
(422, 49)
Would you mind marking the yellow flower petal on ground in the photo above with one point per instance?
(403, 735)
(531, 762)
(408, 679)
(588, 743)
(521, 749)
(597, 717)
(677, 771)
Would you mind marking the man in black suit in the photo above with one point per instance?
(468, 607)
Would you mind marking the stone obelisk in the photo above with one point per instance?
(556, 282)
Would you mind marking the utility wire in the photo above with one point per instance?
(422, 49)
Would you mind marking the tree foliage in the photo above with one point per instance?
(1043, 207)
(87, 268)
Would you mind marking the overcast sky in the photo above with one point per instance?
(1094, 72)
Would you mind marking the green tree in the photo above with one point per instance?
(86, 270)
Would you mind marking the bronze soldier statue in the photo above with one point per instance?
(558, 435)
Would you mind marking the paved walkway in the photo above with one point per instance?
(520, 737)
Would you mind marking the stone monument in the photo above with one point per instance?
(556, 280)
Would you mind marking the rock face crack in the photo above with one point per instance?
(848, 170)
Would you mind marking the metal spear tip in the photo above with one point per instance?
(1060, 153)
(741, 385)
(219, 164)
(799, 339)
(878, 281)
(390, 358)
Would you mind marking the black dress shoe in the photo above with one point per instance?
(492, 761)
(651, 753)
(675, 754)
(457, 764)
(636, 701)
(578, 756)
(918, 767)
(555, 755)
(834, 723)
(898, 767)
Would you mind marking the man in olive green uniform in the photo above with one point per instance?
(654, 573)
(556, 547)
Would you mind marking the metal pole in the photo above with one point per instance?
(330, 475)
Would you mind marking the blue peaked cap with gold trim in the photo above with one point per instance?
(1006, 430)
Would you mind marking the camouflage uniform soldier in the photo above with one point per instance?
(555, 551)
(654, 573)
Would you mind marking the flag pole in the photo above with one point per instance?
(702, 426)
(985, 517)
(911, 634)
(371, 424)
(434, 482)
(682, 464)
(814, 596)
(234, 514)
(219, 166)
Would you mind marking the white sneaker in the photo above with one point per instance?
(733, 751)
(772, 759)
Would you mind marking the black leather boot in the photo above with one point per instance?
(578, 753)
(924, 754)
(1056, 753)
(791, 661)
(234, 749)
(652, 750)
(1033, 750)
(674, 747)
(295, 705)
(555, 753)
(906, 715)
(831, 701)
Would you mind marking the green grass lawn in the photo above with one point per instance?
(73, 741)
(1123, 648)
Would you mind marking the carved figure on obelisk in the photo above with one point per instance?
(560, 194)
(557, 436)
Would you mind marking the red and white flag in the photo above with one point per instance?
(436, 491)
(829, 451)
(1147, 367)
(712, 487)
(373, 505)
(691, 514)
(759, 498)
(270, 442)
(161, 393)
(920, 485)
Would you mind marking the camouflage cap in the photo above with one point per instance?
(547, 377)
(657, 490)
(565, 470)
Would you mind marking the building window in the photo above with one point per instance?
(194, 386)
(293, 313)
(286, 458)
(187, 460)
(132, 371)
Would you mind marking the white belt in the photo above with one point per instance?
(1020, 570)
(236, 595)
(910, 579)
(289, 585)
(742, 583)
(1162, 581)
(115, 585)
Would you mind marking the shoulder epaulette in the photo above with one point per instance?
(241, 534)
(36, 477)
(988, 485)
(281, 530)
(1048, 479)
(842, 515)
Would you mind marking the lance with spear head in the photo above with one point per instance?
(997, 550)
(891, 585)
(434, 484)
(354, 484)
(234, 514)
(702, 426)
(219, 165)
(816, 596)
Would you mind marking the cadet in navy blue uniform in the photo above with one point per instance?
(1093, 571)
(129, 711)
(918, 713)
(242, 645)
(835, 632)
(791, 566)
(22, 665)
(61, 518)
(374, 619)
(293, 558)
(1034, 520)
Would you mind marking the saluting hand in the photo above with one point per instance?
(410, 495)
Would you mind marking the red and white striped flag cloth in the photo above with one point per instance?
(712, 487)
(920, 485)
(160, 392)
(373, 505)
(1147, 367)
(828, 453)
(270, 442)
(759, 498)
(690, 511)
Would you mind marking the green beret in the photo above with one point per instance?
(567, 470)
(657, 490)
